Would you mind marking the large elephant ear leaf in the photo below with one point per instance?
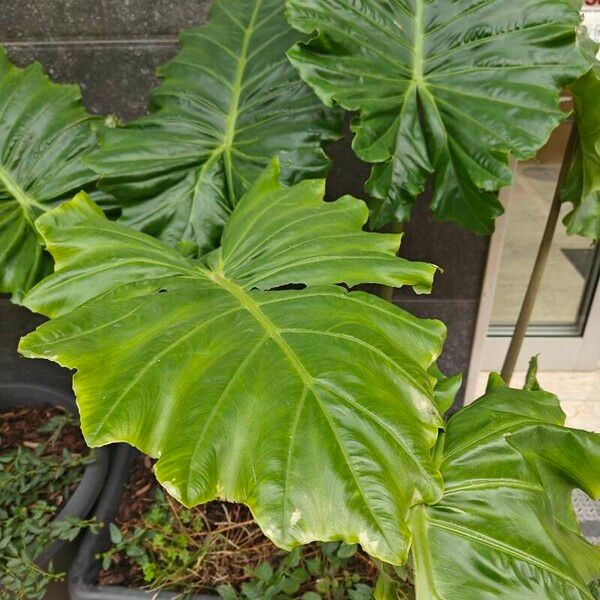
(506, 526)
(44, 132)
(314, 406)
(583, 185)
(227, 104)
(442, 87)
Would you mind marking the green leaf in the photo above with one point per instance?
(44, 133)
(445, 389)
(106, 561)
(308, 405)
(227, 592)
(360, 592)
(583, 185)
(116, 537)
(506, 527)
(264, 572)
(442, 87)
(291, 582)
(392, 588)
(228, 103)
(346, 551)
(531, 381)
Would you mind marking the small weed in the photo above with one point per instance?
(35, 480)
(323, 568)
(182, 550)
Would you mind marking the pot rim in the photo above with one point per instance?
(82, 579)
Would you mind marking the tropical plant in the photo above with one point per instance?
(44, 135)
(227, 104)
(441, 87)
(33, 480)
(295, 402)
(201, 369)
(505, 527)
(450, 89)
(214, 326)
(582, 188)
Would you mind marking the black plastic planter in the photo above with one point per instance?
(82, 500)
(15, 322)
(83, 575)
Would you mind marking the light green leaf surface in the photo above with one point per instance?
(442, 87)
(313, 406)
(445, 389)
(227, 104)
(583, 185)
(44, 132)
(506, 527)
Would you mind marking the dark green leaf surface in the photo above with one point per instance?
(228, 103)
(312, 406)
(44, 132)
(506, 527)
(441, 87)
(583, 185)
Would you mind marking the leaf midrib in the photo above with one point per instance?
(253, 308)
(419, 43)
(224, 149)
(25, 201)
(504, 548)
(307, 379)
(234, 108)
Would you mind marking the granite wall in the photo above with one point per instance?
(111, 48)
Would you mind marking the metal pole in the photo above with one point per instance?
(540, 263)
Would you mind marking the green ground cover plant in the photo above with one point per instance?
(35, 480)
(218, 548)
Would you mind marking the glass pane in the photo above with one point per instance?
(571, 261)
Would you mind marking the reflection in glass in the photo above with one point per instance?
(570, 271)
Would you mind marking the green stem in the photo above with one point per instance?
(535, 281)
(234, 108)
(424, 578)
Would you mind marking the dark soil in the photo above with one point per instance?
(249, 546)
(139, 494)
(136, 500)
(20, 427)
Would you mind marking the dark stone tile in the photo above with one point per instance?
(348, 173)
(81, 19)
(114, 78)
(460, 317)
(15, 322)
(461, 254)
